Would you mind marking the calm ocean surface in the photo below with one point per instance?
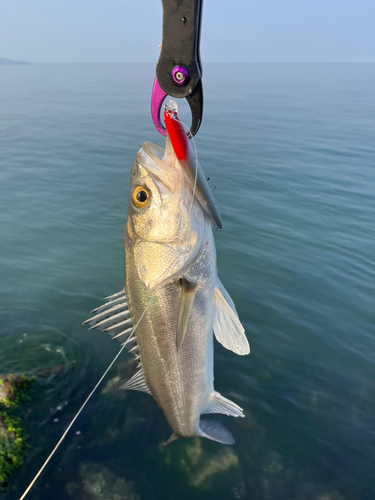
(291, 151)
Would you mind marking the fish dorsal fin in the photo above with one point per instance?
(137, 383)
(214, 430)
(227, 327)
(187, 298)
(112, 317)
(220, 404)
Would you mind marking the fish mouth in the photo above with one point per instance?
(165, 166)
(160, 165)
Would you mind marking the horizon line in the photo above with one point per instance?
(25, 63)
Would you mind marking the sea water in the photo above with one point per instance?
(290, 151)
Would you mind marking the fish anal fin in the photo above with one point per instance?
(187, 298)
(137, 383)
(227, 327)
(220, 404)
(216, 431)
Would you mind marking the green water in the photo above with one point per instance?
(291, 151)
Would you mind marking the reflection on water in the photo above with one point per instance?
(291, 155)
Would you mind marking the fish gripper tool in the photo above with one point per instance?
(179, 69)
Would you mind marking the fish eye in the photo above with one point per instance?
(141, 197)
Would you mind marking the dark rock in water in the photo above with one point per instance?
(97, 482)
(53, 370)
(11, 386)
(12, 440)
(201, 465)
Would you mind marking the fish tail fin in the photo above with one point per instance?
(216, 431)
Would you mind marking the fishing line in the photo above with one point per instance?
(79, 411)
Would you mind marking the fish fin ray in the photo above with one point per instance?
(132, 338)
(110, 297)
(128, 332)
(116, 327)
(216, 431)
(112, 320)
(109, 304)
(220, 404)
(187, 298)
(112, 317)
(228, 329)
(137, 383)
(107, 313)
(226, 296)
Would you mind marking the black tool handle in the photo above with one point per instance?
(180, 46)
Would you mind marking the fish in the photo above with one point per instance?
(173, 302)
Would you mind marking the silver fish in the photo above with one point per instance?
(173, 296)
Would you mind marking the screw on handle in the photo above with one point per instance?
(179, 69)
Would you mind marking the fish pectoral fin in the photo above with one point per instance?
(137, 383)
(220, 404)
(216, 431)
(187, 298)
(227, 327)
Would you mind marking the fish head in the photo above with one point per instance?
(165, 223)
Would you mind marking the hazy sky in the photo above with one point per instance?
(235, 30)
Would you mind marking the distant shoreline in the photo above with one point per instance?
(8, 62)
